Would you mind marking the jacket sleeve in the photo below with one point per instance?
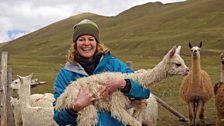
(62, 80)
(136, 90)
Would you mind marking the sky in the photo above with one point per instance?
(21, 17)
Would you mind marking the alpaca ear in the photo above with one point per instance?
(178, 50)
(190, 45)
(20, 78)
(200, 45)
(172, 52)
(221, 55)
(30, 76)
(216, 87)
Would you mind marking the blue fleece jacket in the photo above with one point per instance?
(72, 72)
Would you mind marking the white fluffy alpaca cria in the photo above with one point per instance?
(172, 64)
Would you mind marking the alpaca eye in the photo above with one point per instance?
(178, 64)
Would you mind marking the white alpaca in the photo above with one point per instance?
(172, 64)
(33, 116)
(42, 100)
(146, 111)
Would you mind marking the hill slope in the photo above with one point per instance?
(142, 34)
(201, 20)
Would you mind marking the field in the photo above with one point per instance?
(46, 68)
(142, 34)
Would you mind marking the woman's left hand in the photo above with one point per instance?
(112, 84)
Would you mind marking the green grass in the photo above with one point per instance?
(142, 34)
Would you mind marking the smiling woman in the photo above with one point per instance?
(87, 56)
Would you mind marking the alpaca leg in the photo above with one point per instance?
(88, 116)
(201, 112)
(195, 110)
(148, 115)
(191, 114)
(220, 122)
(119, 104)
(122, 115)
(144, 116)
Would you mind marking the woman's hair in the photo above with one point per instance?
(72, 52)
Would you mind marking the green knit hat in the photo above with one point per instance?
(86, 27)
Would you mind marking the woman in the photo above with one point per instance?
(88, 56)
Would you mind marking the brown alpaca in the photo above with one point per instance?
(196, 88)
(219, 96)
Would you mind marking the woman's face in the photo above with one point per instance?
(86, 46)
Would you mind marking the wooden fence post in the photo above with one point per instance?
(0, 97)
(11, 121)
(4, 111)
(129, 64)
(172, 110)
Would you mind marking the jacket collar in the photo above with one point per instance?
(77, 68)
(102, 64)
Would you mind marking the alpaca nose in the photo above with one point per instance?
(195, 51)
(186, 72)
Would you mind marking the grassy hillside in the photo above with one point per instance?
(142, 34)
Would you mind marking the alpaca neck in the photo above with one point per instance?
(156, 74)
(24, 96)
(196, 70)
(222, 73)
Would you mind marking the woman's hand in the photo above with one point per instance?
(112, 84)
(85, 98)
